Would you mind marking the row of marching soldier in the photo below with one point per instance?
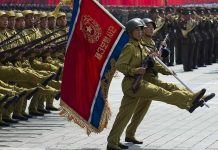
(32, 49)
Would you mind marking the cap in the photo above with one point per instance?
(61, 14)
(19, 15)
(27, 12)
(43, 14)
(36, 13)
(11, 13)
(50, 15)
(2, 13)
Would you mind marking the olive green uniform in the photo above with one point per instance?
(143, 105)
(128, 62)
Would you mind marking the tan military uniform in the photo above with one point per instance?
(130, 59)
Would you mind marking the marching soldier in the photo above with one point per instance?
(11, 23)
(132, 56)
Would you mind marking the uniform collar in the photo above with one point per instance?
(134, 42)
(148, 42)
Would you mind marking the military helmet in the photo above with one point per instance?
(19, 15)
(43, 14)
(50, 15)
(36, 13)
(148, 20)
(61, 14)
(11, 13)
(27, 12)
(2, 13)
(134, 23)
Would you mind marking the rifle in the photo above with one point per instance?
(136, 83)
(174, 75)
(44, 44)
(14, 99)
(11, 37)
(55, 48)
(4, 99)
(15, 39)
(27, 45)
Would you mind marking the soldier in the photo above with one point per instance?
(36, 16)
(215, 30)
(170, 29)
(51, 21)
(178, 46)
(188, 40)
(205, 37)
(128, 63)
(158, 16)
(3, 32)
(208, 26)
(11, 23)
(30, 22)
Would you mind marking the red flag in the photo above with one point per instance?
(96, 39)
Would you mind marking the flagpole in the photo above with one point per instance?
(175, 75)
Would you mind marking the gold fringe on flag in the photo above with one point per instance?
(106, 115)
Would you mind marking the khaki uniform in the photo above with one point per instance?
(130, 59)
(143, 105)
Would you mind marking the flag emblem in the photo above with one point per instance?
(90, 28)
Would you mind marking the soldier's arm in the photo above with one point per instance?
(161, 69)
(123, 63)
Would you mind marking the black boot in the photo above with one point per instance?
(133, 140)
(20, 117)
(44, 111)
(9, 120)
(36, 114)
(57, 97)
(4, 124)
(122, 146)
(27, 115)
(197, 101)
(52, 108)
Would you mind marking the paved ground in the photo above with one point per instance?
(165, 126)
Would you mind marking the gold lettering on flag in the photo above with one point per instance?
(105, 42)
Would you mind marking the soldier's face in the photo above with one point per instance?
(20, 23)
(36, 21)
(137, 33)
(61, 21)
(44, 23)
(149, 30)
(3, 22)
(11, 22)
(51, 23)
(29, 20)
